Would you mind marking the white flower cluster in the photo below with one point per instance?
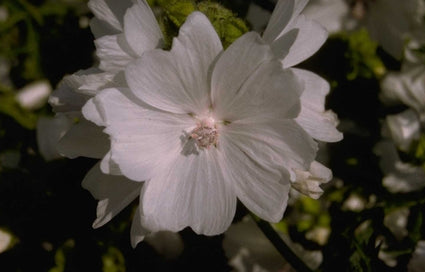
(192, 129)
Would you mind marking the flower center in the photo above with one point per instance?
(205, 134)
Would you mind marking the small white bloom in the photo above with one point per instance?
(407, 87)
(248, 249)
(392, 22)
(396, 221)
(400, 177)
(203, 128)
(404, 128)
(34, 95)
(417, 262)
(331, 14)
(5, 240)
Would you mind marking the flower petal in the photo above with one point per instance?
(283, 17)
(142, 139)
(279, 143)
(177, 81)
(49, 131)
(235, 66)
(137, 231)
(284, 23)
(141, 29)
(269, 92)
(190, 192)
(114, 53)
(311, 36)
(313, 118)
(109, 13)
(308, 182)
(84, 139)
(282, 14)
(113, 192)
(262, 189)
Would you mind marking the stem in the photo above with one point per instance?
(280, 245)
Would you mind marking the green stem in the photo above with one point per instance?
(280, 245)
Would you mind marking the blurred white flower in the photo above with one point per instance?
(393, 22)
(354, 203)
(403, 128)
(406, 87)
(5, 240)
(168, 244)
(199, 141)
(34, 95)
(400, 177)
(331, 14)
(417, 262)
(249, 250)
(396, 221)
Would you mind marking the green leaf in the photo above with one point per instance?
(10, 107)
(228, 26)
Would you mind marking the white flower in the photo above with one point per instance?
(393, 22)
(6, 240)
(400, 177)
(293, 38)
(34, 95)
(249, 250)
(331, 14)
(124, 31)
(417, 262)
(204, 127)
(404, 128)
(407, 87)
(396, 221)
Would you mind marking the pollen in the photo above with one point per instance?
(205, 134)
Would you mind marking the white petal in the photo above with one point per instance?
(282, 14)
(110, 13)
(137, 231)
(84, 139)
(113, 192)
(190, 192)
(313, 118)
(255, 183)
(92, 113)
(177, 81)
(65, 99)
(268, 92)
(235, 66)
(74, 90)
(283, 17)
(108, 166)
(281, 144)
(308, 182)
(114, 52)
(49, 131)
(287, 30)
(311, 36)
(141, 28)
(142, 139)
